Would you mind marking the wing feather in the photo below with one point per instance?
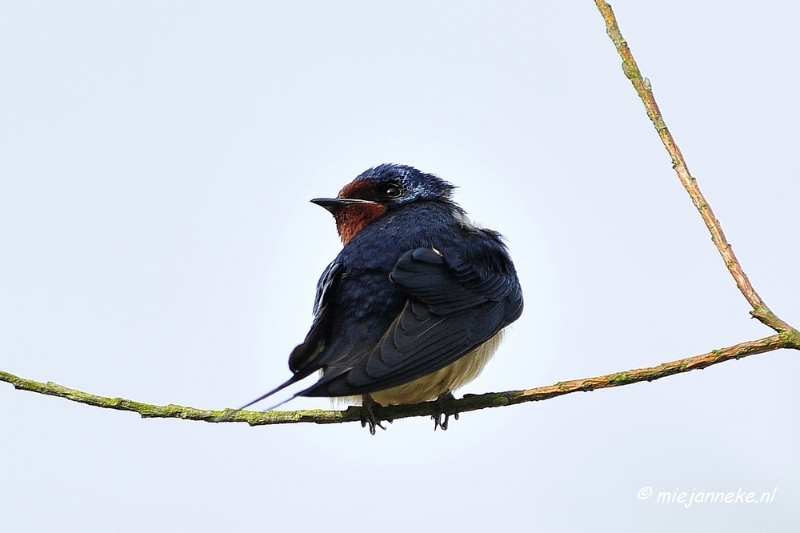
(454, 306)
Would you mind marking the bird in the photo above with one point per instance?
(414, 305)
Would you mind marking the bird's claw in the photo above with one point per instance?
(368, 416)
(370, 420)
(442, 419)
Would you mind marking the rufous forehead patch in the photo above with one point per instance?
(353, 188)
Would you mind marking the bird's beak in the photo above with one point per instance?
(335, 204)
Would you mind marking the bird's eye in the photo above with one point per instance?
(391, 190)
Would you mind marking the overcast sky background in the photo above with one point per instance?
(157, 243)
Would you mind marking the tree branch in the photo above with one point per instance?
(645, 92)
(468, 403)
(786, 337)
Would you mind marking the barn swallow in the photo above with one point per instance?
(414, 305)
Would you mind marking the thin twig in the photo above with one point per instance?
(353, 414)
(645, 92)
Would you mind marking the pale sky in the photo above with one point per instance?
(157, 243)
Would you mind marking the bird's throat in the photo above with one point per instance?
(353, 218)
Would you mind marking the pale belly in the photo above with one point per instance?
(430, 387)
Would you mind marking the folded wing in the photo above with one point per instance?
(453, 307)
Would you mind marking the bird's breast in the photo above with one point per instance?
(448, 379)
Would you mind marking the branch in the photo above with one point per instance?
(645, 92)
(786, 337)
(468, 403)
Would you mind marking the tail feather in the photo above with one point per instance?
(290, 381)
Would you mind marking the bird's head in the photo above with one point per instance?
(378, 191)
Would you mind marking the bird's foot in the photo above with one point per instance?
(368, 416)
(441, 419)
